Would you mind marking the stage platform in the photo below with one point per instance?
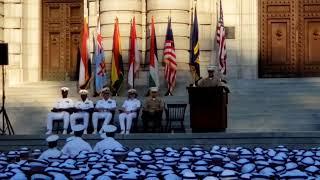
(261, 105)
(151, 141)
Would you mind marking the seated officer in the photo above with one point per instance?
(74, 146)
(82, 108)
(152, 110)
(52, 152)
(108, 141)
(103, 109)
(61, 110)
(213, 80)
(129, 111)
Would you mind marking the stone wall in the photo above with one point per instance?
(243, 50)
(31, 40)
(1, 20)
(240, 14)
(20, 26)
(13, 30)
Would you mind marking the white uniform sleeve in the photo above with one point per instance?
(138, 104)
(57, 105)
(88, 147)
(98, 105)
(114, 104)
(71, 104)
(42, 156)
(90, 104)
(96, 148)
(77, 105)
(125, 104)
(64, 150)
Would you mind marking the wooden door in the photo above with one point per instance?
(289, 33)
(309, 37)
(61, 29)
(277, 38)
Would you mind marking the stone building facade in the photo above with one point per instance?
(21, 27)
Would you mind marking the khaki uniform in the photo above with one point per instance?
(152, 112)
(209, 82)
(153, 104)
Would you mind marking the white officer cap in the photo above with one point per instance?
(83, 92)
(154, 89)
(109, 128)
(64, 89)
(132, 91)
(211, 68)
(210, 178)
(52, 138)
(105, 89)
(78, 127)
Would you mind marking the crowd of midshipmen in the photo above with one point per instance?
(108, 159)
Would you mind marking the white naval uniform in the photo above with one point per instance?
(75, 146)
(50, 153)
(87, 104)
(105, 104)
(107, 143)
(128, 105)
(63, 103)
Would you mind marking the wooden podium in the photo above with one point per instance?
(208, 109)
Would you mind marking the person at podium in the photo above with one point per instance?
(213, 80)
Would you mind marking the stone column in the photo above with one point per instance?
(125, 10)
(205, 10)
(180, 12)
(180, 18)
(242, 62)
(91, 10)
(31, 38)
(13, 36)
(249, 39)
(1, 20)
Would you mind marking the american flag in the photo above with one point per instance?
(221, 40)
(169, 58)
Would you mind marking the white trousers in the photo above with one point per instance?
(101, 115)
(57, 116)
(123, 117)
(79, 115)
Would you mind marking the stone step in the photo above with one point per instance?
(254, 105)
(233, 138)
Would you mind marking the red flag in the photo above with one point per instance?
(169, 58)
(116, 61)
(134, 57)
(85, 62)
(153, 58)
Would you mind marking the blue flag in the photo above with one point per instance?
(194, 63)
(99, 58)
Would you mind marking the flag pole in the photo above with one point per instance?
(133, 65)
(216, 49)
(190, 41)
(194, 5)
